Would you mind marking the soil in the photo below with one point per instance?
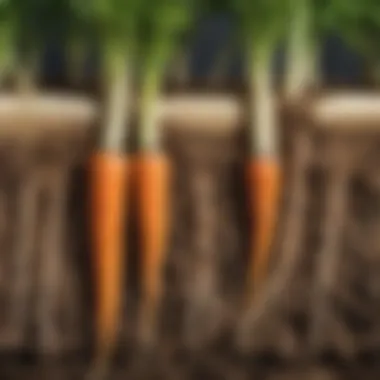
(317, 317)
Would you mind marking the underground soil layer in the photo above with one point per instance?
(318, 313)
(41, 140)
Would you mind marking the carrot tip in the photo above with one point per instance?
(148, 328)
(99, 369)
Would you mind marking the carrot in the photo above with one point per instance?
(264, 184)
(160, 43)
(109, 186)
(153, 179)
(109, 176)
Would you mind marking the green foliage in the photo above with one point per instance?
(5, 7)
(162, 30)
(358, 22)
(167, 19)
(6, 37)
(262, 22)
(216, 6)
(116, 19)
(113, 25)
(25, 28)
(164, 26)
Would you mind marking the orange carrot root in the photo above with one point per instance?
(264, 184)
(153, 176)
(108, 198)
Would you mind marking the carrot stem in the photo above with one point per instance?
(109, 179)
(302, 71)
(264, 128)
(153, 177)
(118, 87)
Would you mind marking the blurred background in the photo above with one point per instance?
(317, 314)
(341, 65)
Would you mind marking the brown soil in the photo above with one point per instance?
(319, 307)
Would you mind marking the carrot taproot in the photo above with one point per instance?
(161, 41)
(264, 184)
(109, 177)
(262, 24)
(109, 198)
(153, 183)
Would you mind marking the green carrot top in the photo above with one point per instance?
(6, 37)
(165, 24)
(162, 31)
(28, 24)
(113, 24)
(358, 21)
(111, 19)
(262, 22)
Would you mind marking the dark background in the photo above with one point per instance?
(340, 65)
